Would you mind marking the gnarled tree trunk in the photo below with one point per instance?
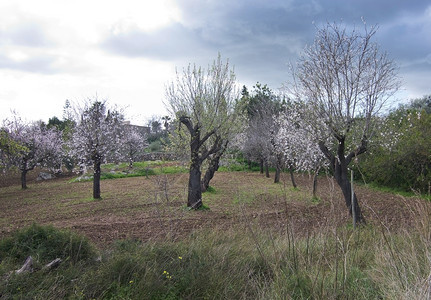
(194, 198)
(339, 166)
(213, 166)
(198, 153)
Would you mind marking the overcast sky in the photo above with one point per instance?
(126, 51)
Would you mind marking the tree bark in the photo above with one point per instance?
(277, 174)
(267, 170)
(339, 166)
(194, 199)
(96, 179)
(292, 178)
(278, 164)
(209, 174)
(212, 167)
(24, 179)
(261, 165)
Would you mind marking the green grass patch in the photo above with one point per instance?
(211, 190)
(244, 197)
(122, 170)
(395, 191)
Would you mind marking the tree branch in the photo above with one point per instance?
(214, 149)
(327, 153)
(186, 121)
(204, 139)
(361, 149)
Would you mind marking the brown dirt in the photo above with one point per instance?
(154, 208)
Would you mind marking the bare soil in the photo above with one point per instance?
(154, 208)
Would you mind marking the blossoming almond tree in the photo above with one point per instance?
(296, 139)
(39, 146)
(97, 136)
(133, 144)
(345, 79)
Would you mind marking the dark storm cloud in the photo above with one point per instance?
(262, 37)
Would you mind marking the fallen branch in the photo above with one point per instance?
(27, 267)
(54, 264)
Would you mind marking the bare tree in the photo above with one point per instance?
(345, 79)
(203, 101)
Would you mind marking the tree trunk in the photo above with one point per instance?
(266, 170)
(261, 165)
(339, 167)
(292, 178)
(277, 174)
(96, 179)
(278, 168)
(342, 179)
(212, 168)
(316, 173)
(194, 199)
(24, 179)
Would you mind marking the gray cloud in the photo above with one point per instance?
(169, 43)
(36, 64)
(260, 37)
(29, 37)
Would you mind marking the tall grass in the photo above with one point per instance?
(246, 262)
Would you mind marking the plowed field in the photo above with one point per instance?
(154, 207)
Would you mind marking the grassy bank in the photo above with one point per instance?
(248, 262)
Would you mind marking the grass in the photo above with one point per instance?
(396, 191)
(244, 263)
(122, 170)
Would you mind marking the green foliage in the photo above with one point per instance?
(401, 156)
(155, 146)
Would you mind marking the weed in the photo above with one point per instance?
(211, 190)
